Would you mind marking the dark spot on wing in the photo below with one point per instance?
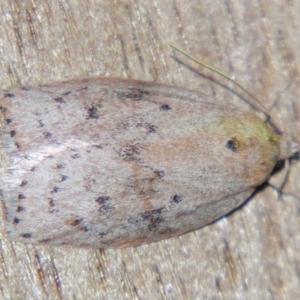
(93, 112)
(103, 233)
(165, 107)
(56, 189)
(150, 218)
(21, 197)
(233, 144)
(152, 129)
(76, 222)
(104, 204)
(130, 152)
(159, 174)
(45, 241)
(59, 100)
(99, 146)
(135, 94)
(63, 177)
(9, 95)
(61, 166)
(41, 123)
(20, 208)
(23, 183)
(149, 127)
(12, 133)
(47, 134)
(16, 221)
(153, 218)
(102, 199)
(176, 199)
(26, 235)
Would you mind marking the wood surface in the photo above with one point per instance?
(251, 254)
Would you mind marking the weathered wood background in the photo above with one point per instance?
(252, 254)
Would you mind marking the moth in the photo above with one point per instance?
(108, 162)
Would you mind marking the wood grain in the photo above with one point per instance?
(251, 254)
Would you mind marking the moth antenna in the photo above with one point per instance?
(207, 66)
